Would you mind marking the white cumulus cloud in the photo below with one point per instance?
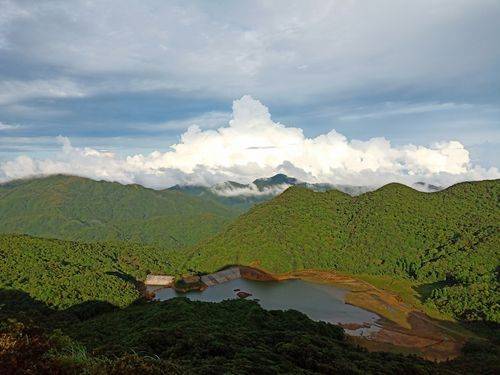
(229, 190)
(251, 146)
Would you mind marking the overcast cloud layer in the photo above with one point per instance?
(122, 79)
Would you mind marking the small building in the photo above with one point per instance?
(162, 280)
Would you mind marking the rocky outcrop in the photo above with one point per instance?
(191, 279)
(255, 274)
(242, 294)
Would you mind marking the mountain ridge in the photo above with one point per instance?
(77, 208)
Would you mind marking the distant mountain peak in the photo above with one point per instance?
(278, 179)
(228, 185)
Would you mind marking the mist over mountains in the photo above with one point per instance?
(249, 187)
(443, 244)
(263, 189)
(449, 238)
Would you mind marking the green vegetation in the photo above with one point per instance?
(73, 307)
(63, 273)
(408, 290)
(75, 208)
(243, 196)
(185, 337)
(29, 349)
(447, 242)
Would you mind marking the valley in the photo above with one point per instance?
(399, 270)
(249, 187)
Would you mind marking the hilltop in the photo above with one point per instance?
(244, 196)
(69, 307)
(76, 208)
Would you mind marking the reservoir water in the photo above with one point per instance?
(321, 302)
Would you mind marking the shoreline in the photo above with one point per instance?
(403, 328)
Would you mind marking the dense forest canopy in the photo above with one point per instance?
(65, 273)
(186, 337)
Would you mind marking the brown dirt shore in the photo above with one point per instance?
(404, 329)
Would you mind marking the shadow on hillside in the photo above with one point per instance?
(16, 303)
(139, 285)
(210, 334)
(425, 290)
(19, 305)
(486, 329)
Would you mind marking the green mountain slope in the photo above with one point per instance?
(64, 273)
(77, 208)
(448, 240)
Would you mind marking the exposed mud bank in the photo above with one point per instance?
(402, 327)
(426, 338)
(255, 274)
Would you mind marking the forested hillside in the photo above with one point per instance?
(59, 314)
(447, 242)
(76, 208)
(186, 337)
(65, 273)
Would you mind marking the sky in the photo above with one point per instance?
(162, 93)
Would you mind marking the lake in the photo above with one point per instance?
(320, 302)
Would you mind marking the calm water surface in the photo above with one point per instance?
(318, 301)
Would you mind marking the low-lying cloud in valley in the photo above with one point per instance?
(251, 146)
(227, 189)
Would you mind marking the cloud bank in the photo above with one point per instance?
(227, 189)
(251, 146)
